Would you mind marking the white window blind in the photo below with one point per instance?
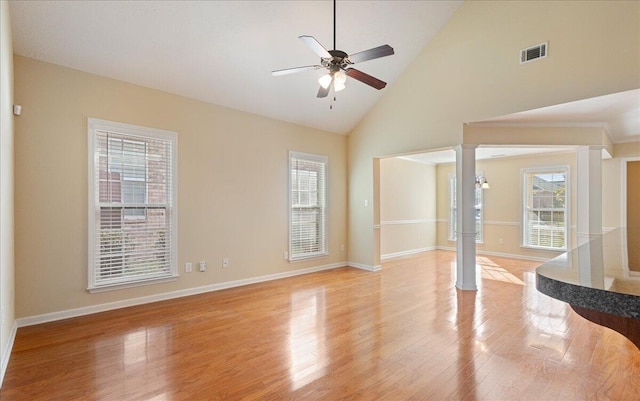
(453, 218)
(545, 208)
(132, 215)
(308, 206)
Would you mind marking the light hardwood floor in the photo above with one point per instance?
(404, 333)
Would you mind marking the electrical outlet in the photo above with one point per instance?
(225, 262)
(203, 266)
(342, 247)
(188, 267)
(285, 254)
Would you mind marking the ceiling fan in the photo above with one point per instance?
(337, 63)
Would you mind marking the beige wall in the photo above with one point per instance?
(471, 71)
(407, 207)
(232, 181)
(503, 202)
(611, 193)
(7, 308)
(631, 149)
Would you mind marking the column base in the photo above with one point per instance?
(468, 287)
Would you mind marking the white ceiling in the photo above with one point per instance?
(483, 153)
(618, 113)
(222, 52)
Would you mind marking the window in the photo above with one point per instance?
(127, 170)
(452, 211)
(308, 206)
(132, 198)
(545, 208)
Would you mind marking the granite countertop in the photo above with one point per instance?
(602, 275)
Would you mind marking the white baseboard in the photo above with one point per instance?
(88, 310)
(394, 222)
(6, 352)
(368, 268)
(503, 255)
(513, 256)
(446, 248)
(405, 253)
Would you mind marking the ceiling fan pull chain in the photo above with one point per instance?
(331, 103)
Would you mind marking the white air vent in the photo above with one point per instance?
(533, 53)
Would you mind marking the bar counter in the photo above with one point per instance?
(600, 280)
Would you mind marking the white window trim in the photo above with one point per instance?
(452, 236)
(451, 187)
(325, 160)
(480, 240)
(523, 218)
(94, 125)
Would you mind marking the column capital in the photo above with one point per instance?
(591, 147)
(463, 146)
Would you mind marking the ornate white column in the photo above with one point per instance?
(589, 193)
(466, 217)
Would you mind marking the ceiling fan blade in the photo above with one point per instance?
(294, 70)
(314, 45)
(366, 78)
(376, 52)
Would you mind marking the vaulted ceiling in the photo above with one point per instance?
(223, 52)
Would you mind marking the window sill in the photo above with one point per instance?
(303, 258)
(540, 248)
(114, 287)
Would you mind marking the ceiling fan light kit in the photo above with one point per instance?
(338, 78)
(337, 63)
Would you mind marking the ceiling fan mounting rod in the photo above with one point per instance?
(334, 24)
